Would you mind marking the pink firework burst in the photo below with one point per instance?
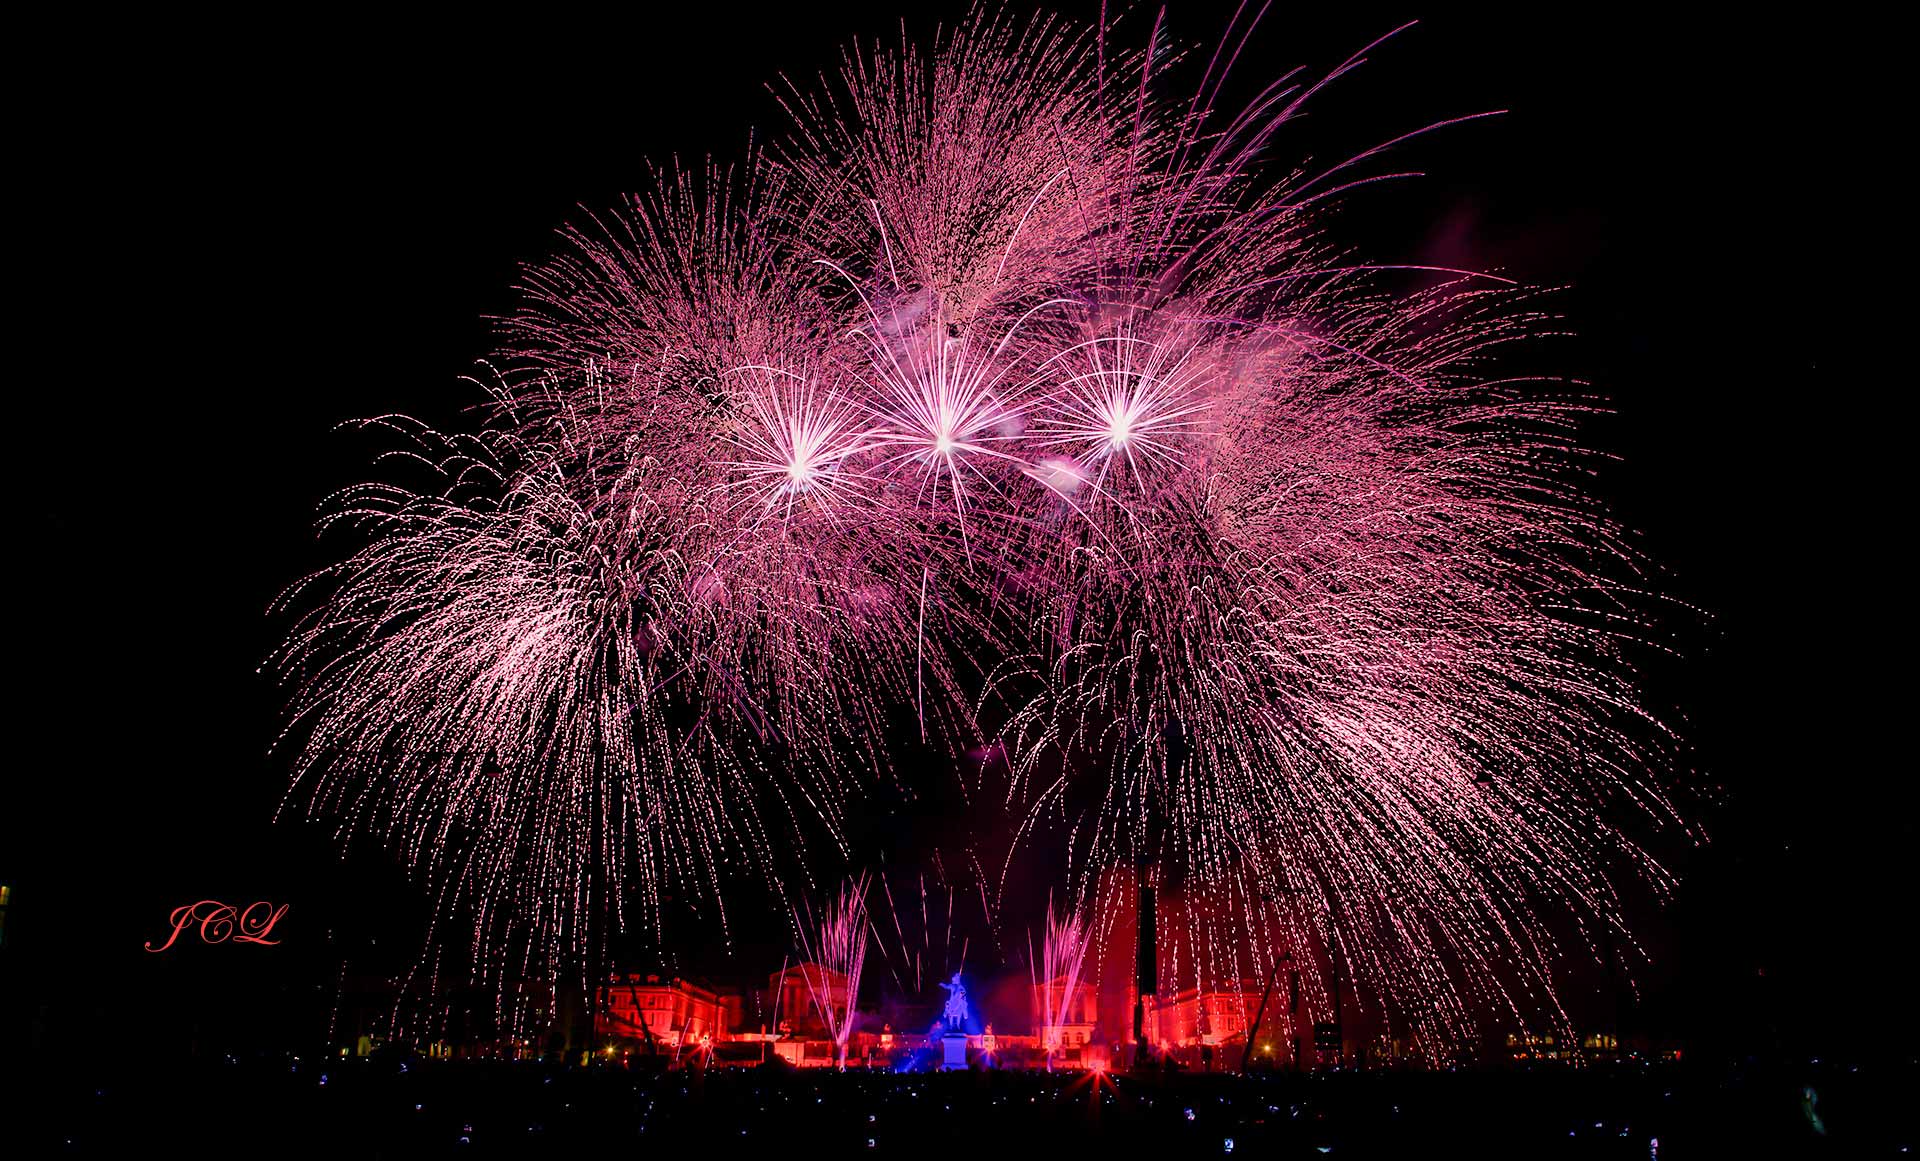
(1012, 398)
(1123, 408)
(796, 440)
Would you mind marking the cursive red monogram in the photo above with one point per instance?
(220, 922)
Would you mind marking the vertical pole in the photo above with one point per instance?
(1339, 1029)
(1145, 981)
(1246, 1057)
(1293, 1013)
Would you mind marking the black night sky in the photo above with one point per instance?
(238, 238)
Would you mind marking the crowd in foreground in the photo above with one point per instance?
(400, 1107)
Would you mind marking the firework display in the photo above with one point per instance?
(1056, 982)
(1012, 400)
(835, 957)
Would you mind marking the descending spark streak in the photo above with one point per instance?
(1007, 394)
(836, 954)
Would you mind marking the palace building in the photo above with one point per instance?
(638, 1015)
(671, 1014)
(1079, 1017)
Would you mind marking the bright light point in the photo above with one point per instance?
(943, 445)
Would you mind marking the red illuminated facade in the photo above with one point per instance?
(797, 993)
(1194, 1017)
(1078, 1017)
(670, 1014)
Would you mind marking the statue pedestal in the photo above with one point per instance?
(954, 1051)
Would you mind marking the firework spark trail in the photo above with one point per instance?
(838, 948)
(909, 959)
(1063, 953)
(1012, 392)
